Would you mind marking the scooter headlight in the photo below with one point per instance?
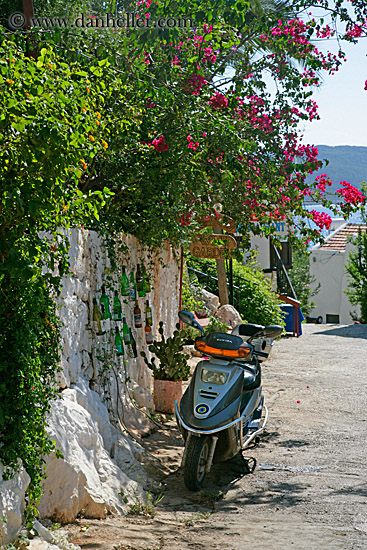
(214, 376)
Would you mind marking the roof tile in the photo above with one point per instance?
(338, 241)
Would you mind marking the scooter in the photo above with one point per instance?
(221, 411)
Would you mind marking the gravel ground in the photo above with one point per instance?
(309, 489)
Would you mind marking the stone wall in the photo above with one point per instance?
(100, 416)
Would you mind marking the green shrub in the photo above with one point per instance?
(215, 326)
(29, 351)
(356, 267)
(191, 296)
(302, 280)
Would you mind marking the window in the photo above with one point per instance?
(285, 252)
(332, 318)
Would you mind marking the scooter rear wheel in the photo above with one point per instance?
(197, 454)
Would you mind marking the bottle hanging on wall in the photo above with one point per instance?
(137, 315)
(126, 331)
(146, 281)
(117, 309)
(124, 285)
(97, 316)
(133, 346)
(132, 287)
(119, 345)
(105, 304)
(140, 283)
(148, 313)
(148, 333)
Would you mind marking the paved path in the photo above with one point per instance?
(309, 490)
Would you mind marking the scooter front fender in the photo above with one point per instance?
(205, 431)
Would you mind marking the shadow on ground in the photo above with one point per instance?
(346, 331)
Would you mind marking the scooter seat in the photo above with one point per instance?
(247, 329)
(251, 379)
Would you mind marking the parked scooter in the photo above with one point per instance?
(220, 413)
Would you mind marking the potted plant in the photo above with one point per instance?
(171, 370)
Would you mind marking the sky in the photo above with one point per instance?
(342, 102)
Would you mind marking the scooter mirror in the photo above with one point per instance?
(188, 318)
(272, 331)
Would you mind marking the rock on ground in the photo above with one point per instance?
(12, 505)
(211, 301)
(87, 479)
(229, 315)
(50, 540)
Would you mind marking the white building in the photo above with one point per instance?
(328, 267)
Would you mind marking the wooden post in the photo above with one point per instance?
(181, 279)
(222, 276)
(231, 292)
(28, 10)
(28, 13)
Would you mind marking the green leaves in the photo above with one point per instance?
(96, 71)
(29, 348)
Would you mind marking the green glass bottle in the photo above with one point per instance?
(126, 331)
(146, 281)
(134, 351)
(132, 287)
(148, 313)
(117, 309)
(105, 305)
(97, 316)
(119, 344)
(140, 283)
(124, 285)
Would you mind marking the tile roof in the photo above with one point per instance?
(338, 240)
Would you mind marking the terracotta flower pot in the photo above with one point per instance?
(165, 393)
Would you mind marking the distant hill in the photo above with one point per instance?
(346, 163)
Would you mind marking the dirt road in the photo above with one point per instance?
(309, 490)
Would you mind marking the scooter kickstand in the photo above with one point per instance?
(249, 463)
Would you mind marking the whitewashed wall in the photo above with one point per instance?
(102, 393)
(98, 409)
(328, 268)
(91, 268)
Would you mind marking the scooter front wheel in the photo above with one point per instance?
(197, 454)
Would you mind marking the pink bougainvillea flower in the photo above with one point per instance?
(194, 84)
(351, 194)
(192, 144)
(321, 219)
(322, 182)
(160, 145)
(218, 102)
(185, 219)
